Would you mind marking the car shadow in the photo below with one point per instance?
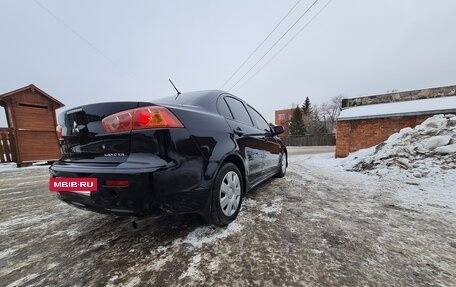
(125, 232)
(112, 229)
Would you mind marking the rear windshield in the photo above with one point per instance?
(202, 99)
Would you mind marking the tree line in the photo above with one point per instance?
(313, 119)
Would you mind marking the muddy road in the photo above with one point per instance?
(311, 228)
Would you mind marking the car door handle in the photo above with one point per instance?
(238, 131)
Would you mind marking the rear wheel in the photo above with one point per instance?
(282, 166)
(226, 195)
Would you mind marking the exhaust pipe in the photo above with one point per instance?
(141, 222)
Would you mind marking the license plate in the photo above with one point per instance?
(73, 184)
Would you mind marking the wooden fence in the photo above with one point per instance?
(311, 140)
(7, 146)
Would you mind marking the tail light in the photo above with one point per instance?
(141, 118)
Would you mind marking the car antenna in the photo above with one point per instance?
(178, 93)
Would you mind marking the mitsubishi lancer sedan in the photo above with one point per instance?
(199, 152)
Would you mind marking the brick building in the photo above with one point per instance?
(282, 118)
(367, 121)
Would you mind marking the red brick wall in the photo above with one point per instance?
(353, 135)
(343, 134)
(286, 114)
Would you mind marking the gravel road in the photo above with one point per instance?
(311, 228)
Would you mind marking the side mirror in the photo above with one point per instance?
(278, 130)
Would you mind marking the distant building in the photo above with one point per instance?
(282, 118)
(368, 121)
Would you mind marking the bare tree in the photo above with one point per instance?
(331, 110)
(314, 122)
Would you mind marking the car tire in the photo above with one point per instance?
(227, 192)
(283, 162)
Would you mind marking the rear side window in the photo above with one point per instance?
(262, 124)
(223, 109)
(238, 110)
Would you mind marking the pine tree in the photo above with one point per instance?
(297, 127)
(307, 107)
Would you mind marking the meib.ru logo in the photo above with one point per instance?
(73, 184)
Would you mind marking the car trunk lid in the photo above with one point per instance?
(85, 140)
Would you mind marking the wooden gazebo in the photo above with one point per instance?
(31, 135)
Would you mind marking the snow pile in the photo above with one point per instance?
(424, 151)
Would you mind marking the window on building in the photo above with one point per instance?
(281, 117)
(3, 121)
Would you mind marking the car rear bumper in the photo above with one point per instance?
(151, 190)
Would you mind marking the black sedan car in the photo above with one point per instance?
(199, 152)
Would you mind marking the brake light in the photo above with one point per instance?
(141, 118)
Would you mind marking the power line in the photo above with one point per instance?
(281, 49)
(261, 44)
(84, 39)
(286, 32)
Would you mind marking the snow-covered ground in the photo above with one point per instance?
(372, 219)
(11, 166)
(319, 226)
(419, 163)
(436, 191)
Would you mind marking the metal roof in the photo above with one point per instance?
(400, 109)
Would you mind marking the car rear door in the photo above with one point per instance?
(271, 146)
(249, 140)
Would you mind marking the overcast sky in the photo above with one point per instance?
(127, 50)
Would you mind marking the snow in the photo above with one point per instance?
(270, 212)
(446, 149)
(12, 166)
(192, 270)
(271, 209)
(133, 282)
(22, 281)
(413, 146)
(209, 234)
(7, 166)
(436, 141)
(435, 105)
(419, 163)
(248, 202)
